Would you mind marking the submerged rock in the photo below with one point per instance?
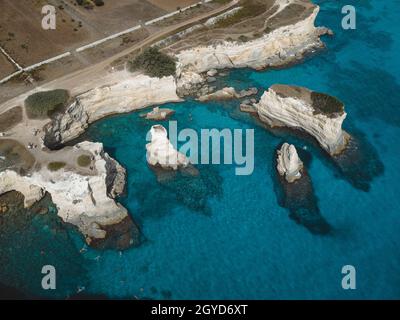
(159, 114)
(289, 163)
(317, 114)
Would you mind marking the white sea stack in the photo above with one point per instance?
(318, 114)
(161, 152)
(289, 164)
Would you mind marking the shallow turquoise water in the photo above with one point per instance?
(223, 236)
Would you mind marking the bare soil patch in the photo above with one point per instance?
(10, 118)
(22, 35)
(6, 67)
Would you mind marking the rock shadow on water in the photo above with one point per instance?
(182, 188)
(374, 92)
(299, 199)
(359, 163)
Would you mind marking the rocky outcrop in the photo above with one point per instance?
(159, 114)
(125, 96)
(289, 164)
(86, 201)
(318, 114)
(279, 47)
(227, 94)
(160, 151)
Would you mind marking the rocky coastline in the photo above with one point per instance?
(87, 200)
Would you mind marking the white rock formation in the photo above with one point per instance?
(161, 152)
(295, 110)
(85, 201)
(137, 92)
(289, 164)
(223, 94)
(227, 94)
(281, 46)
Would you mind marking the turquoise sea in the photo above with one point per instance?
(223, 236)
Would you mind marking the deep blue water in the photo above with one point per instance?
(223, 236)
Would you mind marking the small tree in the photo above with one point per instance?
(42, 104)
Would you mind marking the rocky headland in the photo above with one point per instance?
(282, 46)
(318, 114)
(86, 200)
(138, 92)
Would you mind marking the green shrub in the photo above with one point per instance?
(55, 166)
(42, 104)
(99, 3)
(153, 63)
(243, 38)
(325, 104)
(84, 160)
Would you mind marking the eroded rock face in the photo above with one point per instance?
(290, 106)
(282, 46)
(160, 151)
(130, 94)
(289, 164)
(86, 201)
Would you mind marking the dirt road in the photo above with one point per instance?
(97, 74)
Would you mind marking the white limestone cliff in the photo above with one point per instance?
(289, 164)
(281, 46)
(130, 94)
(295, 110)
(160, 151)
(86, 201)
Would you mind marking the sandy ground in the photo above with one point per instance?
(6, 67)
(172, 5)
(76, 26)
(22, 36)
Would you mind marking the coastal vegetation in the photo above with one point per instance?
(43, 104)
(55, 166)
(325, 104)
(250, 8)
(89, 4)
(84, 160)
(153, 63)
